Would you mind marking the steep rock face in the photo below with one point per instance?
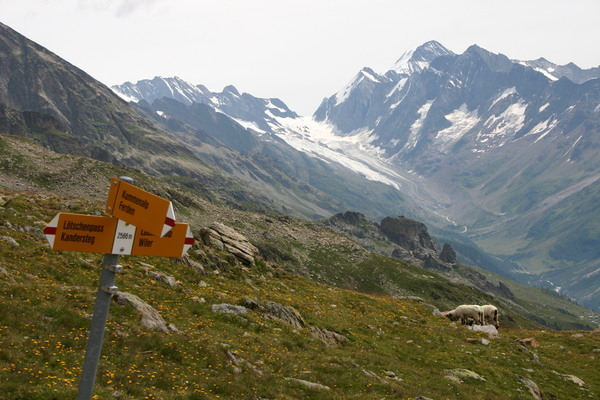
(369, 96)
(397, 237)
(411, 235)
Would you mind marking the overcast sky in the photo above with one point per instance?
(297, 50)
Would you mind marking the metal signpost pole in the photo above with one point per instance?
(96, 336)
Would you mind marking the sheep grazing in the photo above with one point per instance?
(466, 312)
(490, 313)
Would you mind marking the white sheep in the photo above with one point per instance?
(465, 312)
(490, 312)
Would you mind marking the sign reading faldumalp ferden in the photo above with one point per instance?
(138, 207)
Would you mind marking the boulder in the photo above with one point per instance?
(533, 342)
(150, 318)
(533, 387)
(489, 329)
(228, 239)
(571, 378)
(287, 314)
(8, 276)
(328, 337)
(311, 385)
(161, 277)
(228, 309)
(9, 240)
(462, 374)
(292, 317)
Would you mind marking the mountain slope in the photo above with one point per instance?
(499, 150)
(298, 246)
(48, 99)
(292, 338)
(393, 348)
(258, 129)
(474, 143)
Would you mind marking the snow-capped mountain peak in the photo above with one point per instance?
(418, 59)
(158, 87)
(365, 77)
(554, 72)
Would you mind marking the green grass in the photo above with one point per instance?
(396, 349)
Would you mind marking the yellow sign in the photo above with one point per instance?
(174, 244)
(108, 235)
(77, 232)
(140, 208)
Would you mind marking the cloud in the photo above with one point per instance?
(128, 7)
(119, 8)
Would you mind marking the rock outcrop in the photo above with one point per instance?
(448, 254)
(411, 235)
(287, 314)
(150, 318)
(228, 239)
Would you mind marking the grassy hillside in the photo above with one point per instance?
(393, 348)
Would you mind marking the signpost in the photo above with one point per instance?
(141, 224)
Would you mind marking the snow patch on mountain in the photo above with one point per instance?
(462, 121)
(415, 129)
(344, 94)
(408, 65)
(126, 97)
(543, 128)
(403, 65)
(547, 73)
(249, 125)
(318, 139)
(272, 106)
(399, 86)
(572, 147)
(417, 60)
(542, 66)
(499, 128)
(504, 95)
